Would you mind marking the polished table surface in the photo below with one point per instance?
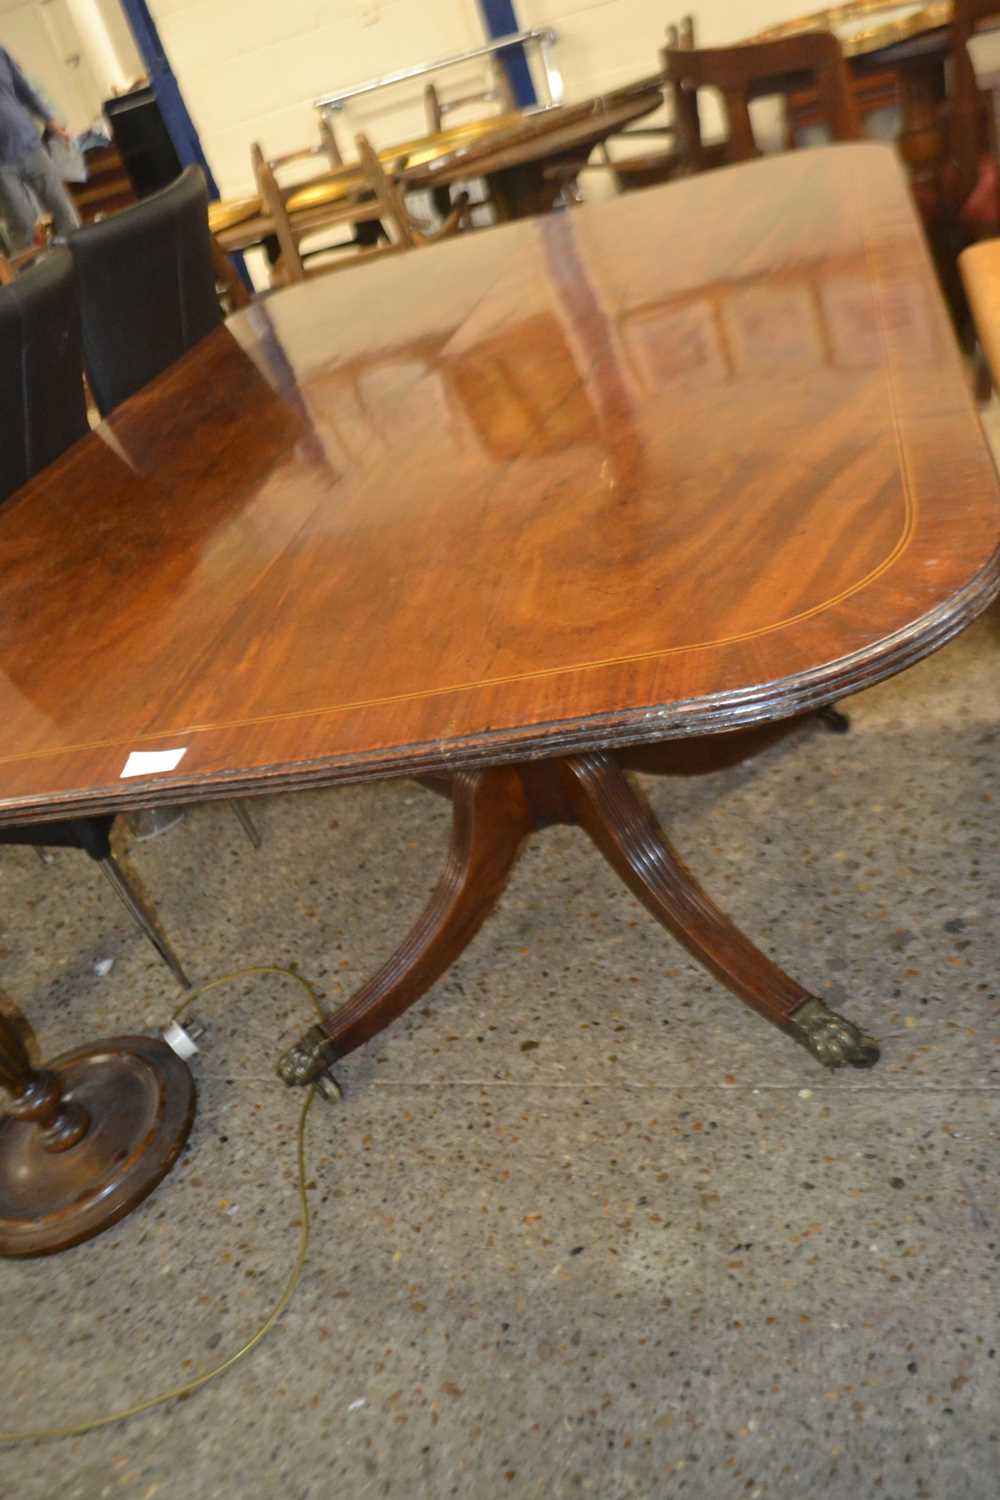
(645, 469)
(505, 514)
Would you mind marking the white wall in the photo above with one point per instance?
(120, 44)
(604, 43)
(107, 41)
(249, 69)
(44, 41)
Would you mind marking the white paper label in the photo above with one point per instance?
(148, 762)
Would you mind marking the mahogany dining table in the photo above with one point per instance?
(622, 486)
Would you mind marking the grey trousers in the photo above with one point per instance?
(25, 185)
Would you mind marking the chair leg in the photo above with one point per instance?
(834, 719)
(143, 918)
(246, 822)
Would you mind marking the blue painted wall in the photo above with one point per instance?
(500, 18)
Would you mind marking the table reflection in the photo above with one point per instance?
(817, 317)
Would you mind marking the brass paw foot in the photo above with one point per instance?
(307, 1061)
(832, 1039)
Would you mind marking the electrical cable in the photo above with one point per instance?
(79, 1429)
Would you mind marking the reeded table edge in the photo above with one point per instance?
(717, 713)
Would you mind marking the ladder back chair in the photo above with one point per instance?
(639, 169)
(437, 106)
(758, 70)
(362, 193)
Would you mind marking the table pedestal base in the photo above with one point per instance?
(87, 1139)
(494, 811)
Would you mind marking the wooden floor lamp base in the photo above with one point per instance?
(87, 1139)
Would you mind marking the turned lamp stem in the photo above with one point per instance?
(37, 1094)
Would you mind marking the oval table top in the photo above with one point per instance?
(681, 462)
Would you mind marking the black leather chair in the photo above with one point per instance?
(146, 279)
(42, 413)
(41, 385)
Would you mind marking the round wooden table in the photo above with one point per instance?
(518, 161)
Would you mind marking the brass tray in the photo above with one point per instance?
(326, 190)
(425, 148)
(228, 212)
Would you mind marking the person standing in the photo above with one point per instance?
(27, 175)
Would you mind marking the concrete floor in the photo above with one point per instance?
(584, 1224)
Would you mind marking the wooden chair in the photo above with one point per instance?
(500, 92)
(307, 224)
(228, 284)
(758, 70)
(645, 168)
(971, 185)
(966, 205)
(651, 168)
(436, 108)
(369, 196)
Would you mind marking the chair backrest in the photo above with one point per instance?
(42, 406)
(970, 117)
(371, 195)
(757, 70)
(147, 287)
(681, 33)
(353, 203)
(383, 187)
(437, 105)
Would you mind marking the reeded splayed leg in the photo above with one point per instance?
(623, 827)
(491, 818)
